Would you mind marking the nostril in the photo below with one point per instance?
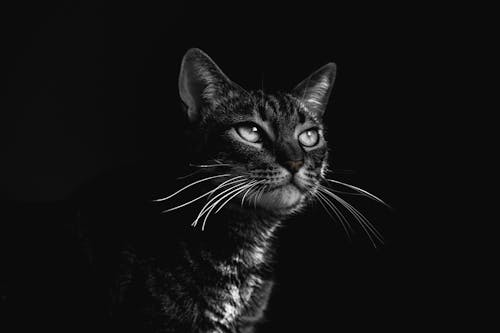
(293, 166)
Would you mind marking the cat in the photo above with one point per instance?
(260, 158)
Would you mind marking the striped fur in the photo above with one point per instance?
(220, 280)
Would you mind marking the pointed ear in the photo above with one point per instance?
(315, 90)
(202, 83)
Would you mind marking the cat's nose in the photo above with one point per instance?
(293, 166)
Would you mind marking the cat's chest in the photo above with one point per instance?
(232, 299)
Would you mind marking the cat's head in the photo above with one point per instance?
(270, 147)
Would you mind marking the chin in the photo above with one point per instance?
(284, 200)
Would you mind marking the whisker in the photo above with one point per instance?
(191, 184)
(212, 207)
(342, 171)
(347, 193)
(189, 175)
(366, 221)
(363, 221)
(263, 190)
(187, 203)
(210, 165)
(191, 201)
(230, 186)
(337, 210)
(228, 182)
(258, 188)
(360, 190)
(201, 196)
(244, 187)
(342, 219)
(320, 199)
(252, 191)
(360, 223)
(247, 192)
(258, 194)
(209, 203)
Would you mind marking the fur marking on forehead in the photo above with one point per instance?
(305, 110)
(283, 109)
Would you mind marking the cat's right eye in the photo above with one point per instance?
(249, 132)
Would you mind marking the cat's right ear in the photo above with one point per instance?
(202, 84)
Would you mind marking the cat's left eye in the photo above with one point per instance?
(249, 132)
(309, 138)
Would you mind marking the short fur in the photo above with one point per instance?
(220, 279)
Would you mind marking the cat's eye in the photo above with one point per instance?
(309, 138)
(249, 132)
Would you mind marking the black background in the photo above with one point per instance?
(91, 109)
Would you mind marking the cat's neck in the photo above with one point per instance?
(237, 238)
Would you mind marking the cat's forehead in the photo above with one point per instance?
(279, 109)
(285, 107)
(284, 112)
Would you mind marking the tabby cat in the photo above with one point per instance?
(260, 158)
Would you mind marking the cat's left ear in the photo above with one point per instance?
(315, 90)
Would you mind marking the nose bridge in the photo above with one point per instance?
(288, 150)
